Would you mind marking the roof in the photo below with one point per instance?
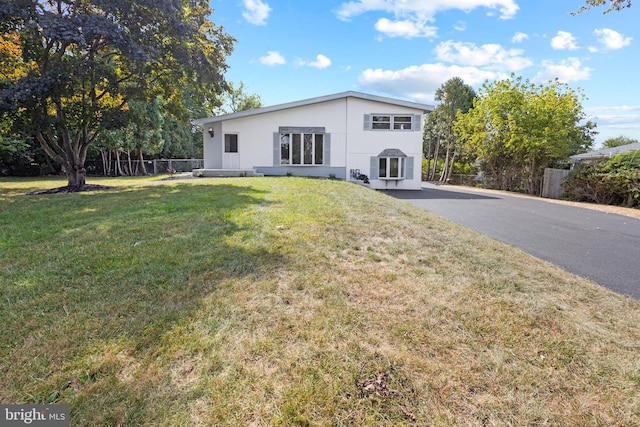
(349, 94)
(392, 152)
(606, 152)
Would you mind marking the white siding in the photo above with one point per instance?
(353, 143)
(363, 144)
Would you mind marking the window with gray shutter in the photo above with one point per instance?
(276, 149)
(327, 149)
(373, 168)
(409, 174)
(417, 122)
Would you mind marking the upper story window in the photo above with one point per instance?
(392, 122)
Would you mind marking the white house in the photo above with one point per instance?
(349, 135)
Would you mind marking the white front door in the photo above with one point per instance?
(231, 156)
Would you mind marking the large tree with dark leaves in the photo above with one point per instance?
(82, 61)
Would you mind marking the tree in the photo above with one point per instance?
(618, 141)
(517, 128)
(454, 96)
(611, 5)
(236, 99)
(87, 59)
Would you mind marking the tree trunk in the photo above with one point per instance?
(129, 162)
(118, 164)
(445, 170)
(432, 174)
(70, 155)
(76, 175)
(142, 166)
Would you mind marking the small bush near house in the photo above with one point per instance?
(614, 181)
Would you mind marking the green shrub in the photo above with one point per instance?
(614, 181)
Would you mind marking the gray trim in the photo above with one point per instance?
(374, 168)
(367, 122)
(309, 171)
(409, 166)
(276, 148)
(342, 95)
(417, 119)
(392, 152)
(326, 155)
(298, 129)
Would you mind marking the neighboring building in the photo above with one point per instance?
(347, 135)
(604, 153)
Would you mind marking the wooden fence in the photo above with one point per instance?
(552, 183)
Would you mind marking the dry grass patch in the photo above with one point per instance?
(298, 302)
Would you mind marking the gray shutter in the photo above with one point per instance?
(327, 149)
(276, 149)
(417, 122)
(373, 168)
(409, 164)
(367, 122)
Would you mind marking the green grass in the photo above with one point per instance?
(289, 301)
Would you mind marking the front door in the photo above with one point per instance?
(231, 157)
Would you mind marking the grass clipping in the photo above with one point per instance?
(298, 302)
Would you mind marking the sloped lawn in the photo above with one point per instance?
(290, 301)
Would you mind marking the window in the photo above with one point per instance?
(402, 122)
(391, 167)
(230, 143)
(381, 122)
(391, 122)
(301, 148)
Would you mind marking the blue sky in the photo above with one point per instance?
(289, 50)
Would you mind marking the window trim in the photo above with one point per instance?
(318, 136)
(388, 166)
(392, 122)
(224, 143)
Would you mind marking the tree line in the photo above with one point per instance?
(103, 78)
(123, 78)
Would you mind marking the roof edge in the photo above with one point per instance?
(310, 101)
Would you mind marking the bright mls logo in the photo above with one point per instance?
(34, 415)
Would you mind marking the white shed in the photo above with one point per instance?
(349, 135)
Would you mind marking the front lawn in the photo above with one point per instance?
(291, 301)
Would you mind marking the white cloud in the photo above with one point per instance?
(460, 26)
(405, 28)
(272, 58)
(490, 56)
(569, 70)
(256, 12)
(564, 41)
(519, 37)
(611, 39)
(421, 82)
(507, 8)
(617, 116)
(412, 16)
(320, 62)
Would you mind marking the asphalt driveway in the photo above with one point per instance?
(600, 246)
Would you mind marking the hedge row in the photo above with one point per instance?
(610, 181)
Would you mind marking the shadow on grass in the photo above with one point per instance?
(93, 284)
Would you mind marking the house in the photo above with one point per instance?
(350, 135)
(604, 153)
